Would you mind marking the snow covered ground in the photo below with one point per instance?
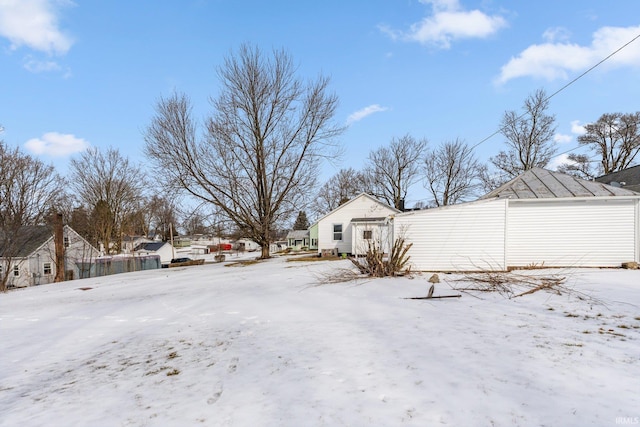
(265, 345)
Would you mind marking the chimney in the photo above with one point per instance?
(58, 239)
(401, 205)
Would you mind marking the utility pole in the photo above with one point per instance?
(58, 241)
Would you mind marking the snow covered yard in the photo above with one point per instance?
(265, 345)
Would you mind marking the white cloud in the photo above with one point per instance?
(556, 34)
(36, 66)
(577, 128)
(449, 22)
(555, 60)
(559, 161)
(562, 139)
(34, 23)
(366, 111)
(56, 144)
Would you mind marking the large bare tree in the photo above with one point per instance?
(264, 140)
(451, 173)
(528, 136)
(615, 139)
(340, 188)
(111, 187)
(29, 190)
(392, 170)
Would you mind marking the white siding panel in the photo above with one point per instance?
(465, 237)
(588, 233)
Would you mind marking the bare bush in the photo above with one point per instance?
(514, 285)
(376, 264)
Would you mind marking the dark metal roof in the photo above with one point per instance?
(540, 183)
(153, 246)
(26, 241)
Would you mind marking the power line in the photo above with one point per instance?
(564, 87)
(593, 67)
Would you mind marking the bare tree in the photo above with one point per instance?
(615, 139)
(28, 191)
(580, 166)
(451, 173)
(162, 215)
(529, 137)
(339, 189)
(112, 187)
(197, 223)
(263, 144)
(392, 170)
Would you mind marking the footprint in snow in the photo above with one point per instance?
(233, 365)
(216, 394)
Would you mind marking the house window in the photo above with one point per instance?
(47, 268)
(367, 234)
(66, 242)
(16, 270)
(337, 231)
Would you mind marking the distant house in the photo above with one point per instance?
(628, 179)
(162, 249)
(278, 246)
(352, 226)
(298, 239)
(313, 237)
(540, 218)
(32, 260)
(246, 245)
(129, 243)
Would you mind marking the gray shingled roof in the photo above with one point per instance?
(627, 178)
(298, 234)
(369, 219)
(540, 183)
(26, 241)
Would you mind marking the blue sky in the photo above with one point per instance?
(75, 74)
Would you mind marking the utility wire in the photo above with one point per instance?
(564, 87)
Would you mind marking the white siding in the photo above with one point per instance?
(379, 237)
(362, 206)
(564, 233)
(465, 237)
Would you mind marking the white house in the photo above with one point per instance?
(540, 218)
(163, 249)
(33, 260)
(352, 226)
(129, 243)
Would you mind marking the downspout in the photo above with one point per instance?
(506, 235)
(637, 231)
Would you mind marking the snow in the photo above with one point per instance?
(266, 344)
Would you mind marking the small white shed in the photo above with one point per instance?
(347, 228)
(541, 218)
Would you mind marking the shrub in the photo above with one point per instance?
(376, 264)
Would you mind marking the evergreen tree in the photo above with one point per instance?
(302, 223)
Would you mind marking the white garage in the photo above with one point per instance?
(540, 218)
